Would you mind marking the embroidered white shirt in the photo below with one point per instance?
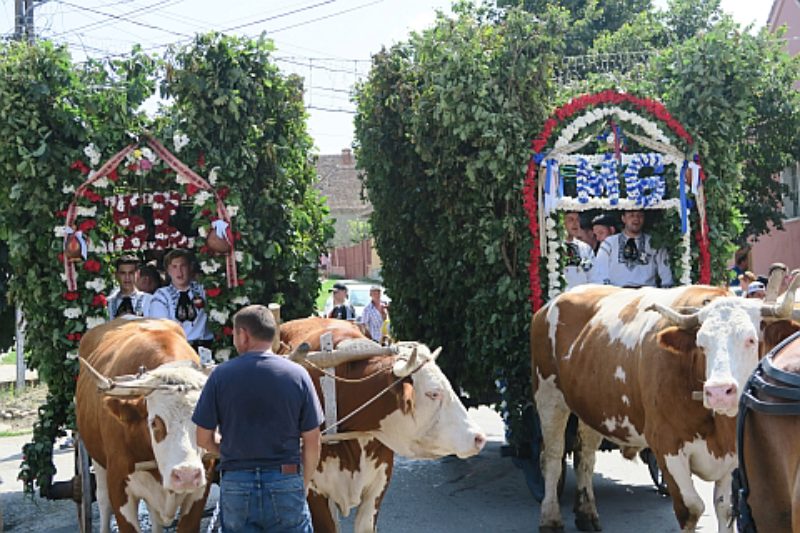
(613, 266)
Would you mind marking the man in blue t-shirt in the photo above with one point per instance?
(263, 406)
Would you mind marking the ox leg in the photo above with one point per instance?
(103, 501)
(155, 519)
(553, 414)
(586, 518)
(722, 503)
(686, 503)
(324, 515)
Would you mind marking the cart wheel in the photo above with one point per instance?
(655, 473)
(83, 489)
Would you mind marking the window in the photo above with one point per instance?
(791, 202)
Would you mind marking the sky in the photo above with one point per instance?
(328, 42)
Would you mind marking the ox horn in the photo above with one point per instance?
(102, 382)
(682, 321)
(404, 368)
(784, 309)
(777, 273)
(436, 353)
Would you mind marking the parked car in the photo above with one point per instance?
(357, 293)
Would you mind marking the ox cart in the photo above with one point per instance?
(603, 154)
(142, 200)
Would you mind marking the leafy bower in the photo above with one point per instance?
(241, 116)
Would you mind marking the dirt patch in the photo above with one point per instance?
(19, 409)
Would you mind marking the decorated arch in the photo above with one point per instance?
(614, 151)
(145, 200)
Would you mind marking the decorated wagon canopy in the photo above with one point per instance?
(144, 199)
(612, 151)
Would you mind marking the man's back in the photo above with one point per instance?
(263, 403)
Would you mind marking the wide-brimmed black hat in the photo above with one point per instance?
(338, 287)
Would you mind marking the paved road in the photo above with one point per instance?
(483, 494)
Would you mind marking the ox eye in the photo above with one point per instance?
(434, 395)
(750, 342)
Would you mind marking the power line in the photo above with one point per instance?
(331, 110)
(161, 4)
(331, 15)
(122, 18)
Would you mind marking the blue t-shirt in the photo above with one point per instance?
(261, 403)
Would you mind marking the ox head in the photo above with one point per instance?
(430, 421)
(728, 332)
(163, 398)
(438, 424)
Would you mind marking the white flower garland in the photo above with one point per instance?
(209, 267)
(93, 154)
(179, 140)
(72, 312)
(93, 321)
(219, 316)
(571, 130)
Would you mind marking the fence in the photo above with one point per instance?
(352, 261)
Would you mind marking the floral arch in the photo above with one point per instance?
(612, 150)
(105, 219)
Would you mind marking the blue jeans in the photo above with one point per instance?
(263, 500)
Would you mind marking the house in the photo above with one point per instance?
(351, 251)
(783, 246)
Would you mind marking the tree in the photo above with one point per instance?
(443, 129)
(588, 18)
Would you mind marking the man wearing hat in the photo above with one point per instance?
(342, 309)
(603, 227)
(756, 289)
(629, 259)
(374, 314)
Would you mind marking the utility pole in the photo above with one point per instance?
(23, 20)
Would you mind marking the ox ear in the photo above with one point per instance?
(126, 411)
(676, 340)
(775, 332)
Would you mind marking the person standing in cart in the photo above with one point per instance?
(183, 300)
(264, 406)
(628, 259)
(579, 255)
(126, 299)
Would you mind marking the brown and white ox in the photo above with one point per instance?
(418, 416)
(616, 359)
(126, 418)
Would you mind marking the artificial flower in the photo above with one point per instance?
(93, 321)
(72, 312)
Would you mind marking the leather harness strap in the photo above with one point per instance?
(786, 387)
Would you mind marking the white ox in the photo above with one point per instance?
(142, 420)
(614, 358)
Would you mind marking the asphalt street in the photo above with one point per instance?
(485, 494)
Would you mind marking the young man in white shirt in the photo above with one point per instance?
(126, 299)
(628, 258)
(579, 255)
(183, 300)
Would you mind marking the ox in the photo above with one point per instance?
(418, 416)
(614, 358)
(770, 470)
(142, 419)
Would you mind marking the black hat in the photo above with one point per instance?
(339, 287)
(605, 220)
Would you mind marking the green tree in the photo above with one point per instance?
(588, 18)
(443, 129)
(248, 118)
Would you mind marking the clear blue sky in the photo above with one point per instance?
(328, 42)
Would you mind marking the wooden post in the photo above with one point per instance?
(275, 309)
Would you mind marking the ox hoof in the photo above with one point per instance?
(588, 523)
(551, 529)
